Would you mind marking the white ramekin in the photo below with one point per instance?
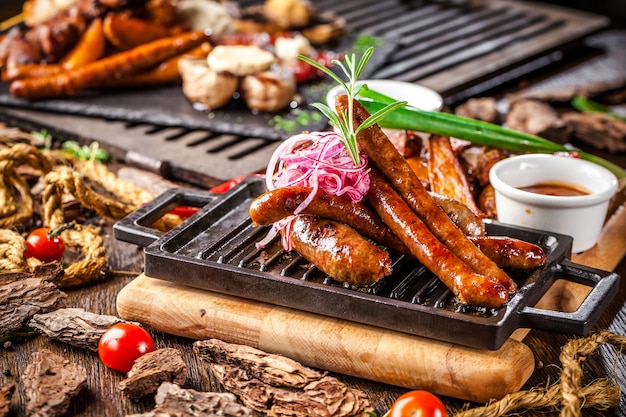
(581, 217)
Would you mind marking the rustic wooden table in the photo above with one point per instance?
(103, 398)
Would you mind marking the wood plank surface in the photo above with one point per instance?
(332, 344)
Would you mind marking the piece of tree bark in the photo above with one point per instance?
(74, 326)
(50, 382)
(21, 300)
(598, 130)
(50, 271)
(6, 394)
(174, 401)
(279, 386)
(152, 369)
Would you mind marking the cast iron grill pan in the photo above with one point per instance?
(215, 250)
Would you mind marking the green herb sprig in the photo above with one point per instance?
(344, 121)
(585, 105)
(92, 152)
(476, 131)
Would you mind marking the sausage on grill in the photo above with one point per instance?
(338, 250)
(465, 283)
(510, 253)
(383, 155)
(279, 203)
(96, 73)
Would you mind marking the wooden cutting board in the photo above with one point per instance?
(328, 343)
(354, 349)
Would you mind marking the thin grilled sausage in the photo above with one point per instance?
(393, 165)
(509, 252)
(98, 72)
(279, 203)
(460, 214)
(465, 283)
(338, 250)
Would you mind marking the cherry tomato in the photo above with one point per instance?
(304, 72)
(40, 245)
(417, 403)
(122, 344)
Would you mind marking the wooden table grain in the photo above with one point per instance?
(103, 398)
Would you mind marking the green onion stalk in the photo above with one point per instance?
(475, 131)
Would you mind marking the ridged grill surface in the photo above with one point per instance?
(458, 48)
(218, 250)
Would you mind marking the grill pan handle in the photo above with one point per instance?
(604, 285)
(135, 228)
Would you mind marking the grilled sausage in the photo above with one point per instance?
(279, 203)
(460, 214)
(383, 154)
(510, 253)
(114, 66)
(465, 283)
(338, 250)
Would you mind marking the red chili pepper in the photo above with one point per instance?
(225, 186)
(184, 211)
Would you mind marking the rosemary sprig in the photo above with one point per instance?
(344, 121)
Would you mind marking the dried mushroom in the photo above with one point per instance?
(279, 386)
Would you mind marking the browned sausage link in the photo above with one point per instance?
(95, 73)
(460, 214)
(279, 203)
(393, 165)
(509, 252)
(338, 250)
(15, 72)
(465, 283)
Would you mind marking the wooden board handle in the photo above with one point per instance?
(327, 343)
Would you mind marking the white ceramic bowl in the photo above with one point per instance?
(415, 95)
(581, 217)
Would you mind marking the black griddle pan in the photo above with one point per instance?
(215, 250)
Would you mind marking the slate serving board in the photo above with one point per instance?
(167, 106)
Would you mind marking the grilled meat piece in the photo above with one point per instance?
(338, 250)
(466, 284)
(277, 204)
(394, 167)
